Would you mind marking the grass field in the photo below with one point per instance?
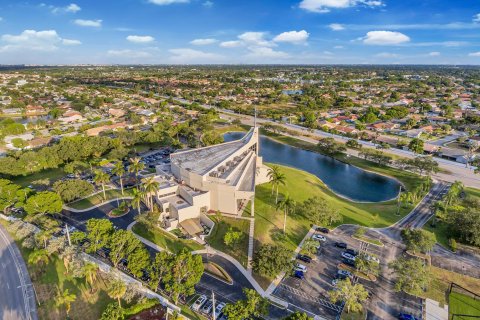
(300, 186)
(51, 174)
(222, 225)
(165, 239)
(98, 198)
(460, 304)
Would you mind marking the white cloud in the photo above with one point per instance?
(338, 47)
(322, 6)
(474, 54)
(231, 44)
(202, 42)
(255, 38)
(476, 18)
(386, 55)
(140, 39)
(130, 54)
(296, 37)
(385, 38)
(71, 42)
(266, 52)
(88, 23)
(186, 55)
(71, 8)
(32, 40)
(1, 19)
(208, 4)
(434, 54)
(167, 2)
(336, 26)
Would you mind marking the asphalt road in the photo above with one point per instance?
(17, 298)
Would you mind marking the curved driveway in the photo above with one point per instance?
(17, 297)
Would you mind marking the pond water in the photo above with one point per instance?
(343, 179)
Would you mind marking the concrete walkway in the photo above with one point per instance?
(145, 241)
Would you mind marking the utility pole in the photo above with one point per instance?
(213, 305)
(68, 234)
(398, 200)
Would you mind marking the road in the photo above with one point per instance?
(17, 296)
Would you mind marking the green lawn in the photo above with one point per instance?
(165, 239)
(51, 174)
(301, 185)
(98, 198)
(463, 304)
(240, 250)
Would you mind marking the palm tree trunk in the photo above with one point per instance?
(285, 221)
(103, 188)
(276, 197)
(119, 303)
(121, 184)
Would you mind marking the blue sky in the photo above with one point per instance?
(246, 31)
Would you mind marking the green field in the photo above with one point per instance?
(51, 174)
(239, 251)
(165, 239)
(301, 185)
(460, 304)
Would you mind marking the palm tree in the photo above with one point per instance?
(286, 204)
(352, 294)
(90, 271)
(277, 178)
(43, 236)
(119, 171)
(116, 289)
(38, 257)
(68, 255)
(65, 298)
(150, 186)
(102, 178)
(137, 197)
(136, 166)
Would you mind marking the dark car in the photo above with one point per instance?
(299, 274)
(349, 262)
(406, 316)
(341, 245)
(352, 252)
(304, 258)
(323, 230)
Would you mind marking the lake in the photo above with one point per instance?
(344, 179)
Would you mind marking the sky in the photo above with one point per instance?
(240, 32)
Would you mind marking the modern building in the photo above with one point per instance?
(221, 178)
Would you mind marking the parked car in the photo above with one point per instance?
(299, 274)
(406, 316)
(349, 262)
(207, 307)
(344, 273)
(319, 237)
(304, 258)
(300, 267)
(322, 229)
(352, 252)
(334, 282)
(347, 255)
(219, 308)
(341, 245)
(199, 302)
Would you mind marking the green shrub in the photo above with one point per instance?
(453, 244)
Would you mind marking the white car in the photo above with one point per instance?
(199, 302)
(334, 282)
(219, 308)
(300, 267)
(348, 256)
(319, 237)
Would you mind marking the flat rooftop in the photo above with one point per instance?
(202, 160)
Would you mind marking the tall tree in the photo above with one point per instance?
(102, 178)
(137, 198)
(412, 276)
(122, 244)
(65, 298)
(297, 316)
(44, 202)
(151, 187)
(253, 305)
(276, 178)
(419, 240)
(119, 171)
(11, 194)
(352, 294)
(116, 290)
(99, 232)
(318, 211)
(90, 272)
(286, 204)
(416, 145)
(270, 260)
(136, 166)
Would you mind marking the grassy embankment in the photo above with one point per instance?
(98, 198)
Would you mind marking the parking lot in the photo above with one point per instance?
(157, 157)
(311, 293)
